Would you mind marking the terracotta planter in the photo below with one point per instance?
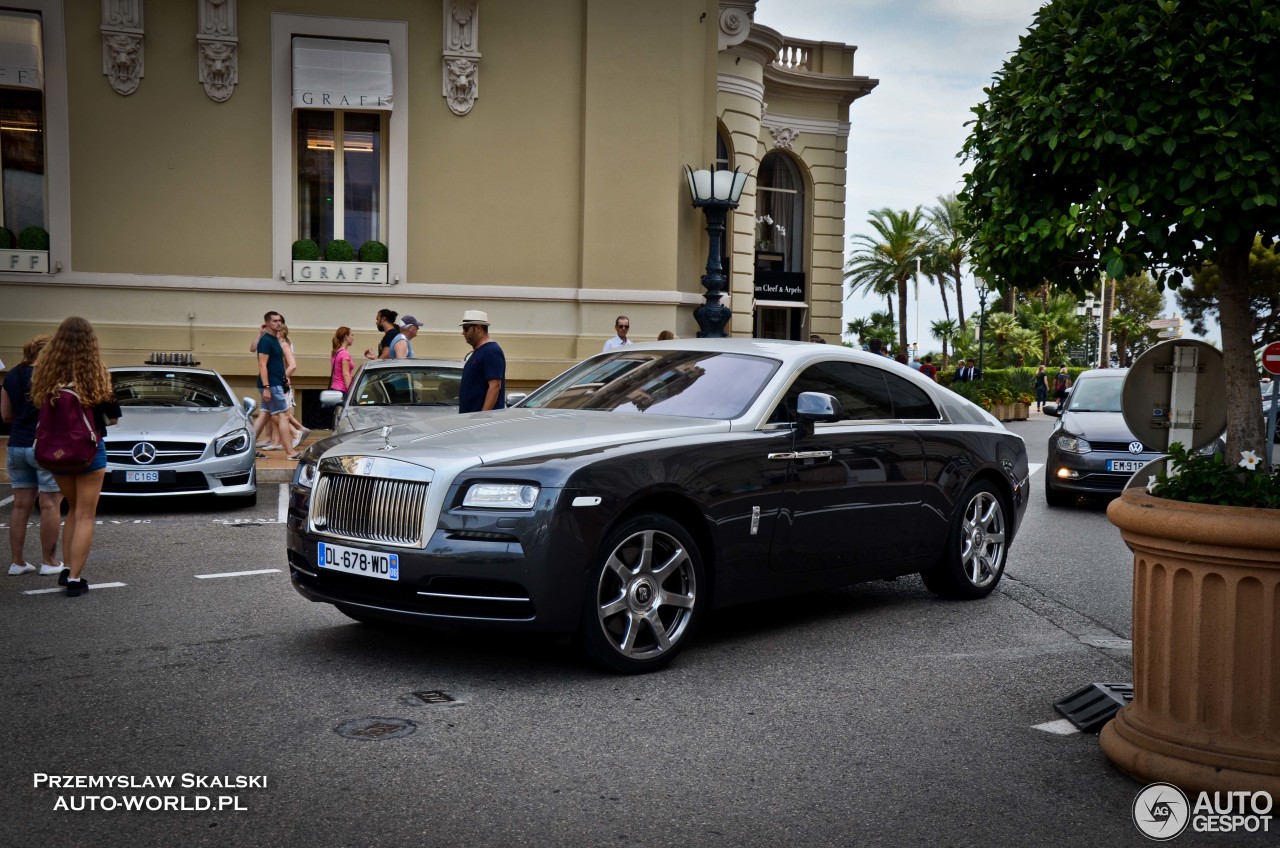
(1000, 411)
(1206, 646)
(1021, 411)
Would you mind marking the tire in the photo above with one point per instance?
(644, 597)
(1055, 498)
(977, 547)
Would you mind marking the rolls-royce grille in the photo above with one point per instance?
(371, 508)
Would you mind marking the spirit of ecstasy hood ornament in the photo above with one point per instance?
(386, 439)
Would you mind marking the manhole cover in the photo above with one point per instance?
(370, 729)
(435, 696)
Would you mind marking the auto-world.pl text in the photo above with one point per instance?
(155, 801)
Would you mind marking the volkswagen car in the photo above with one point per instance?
(1091, 450)
(647, 485)
(181, 432)
(393, 391)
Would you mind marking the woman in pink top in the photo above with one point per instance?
(340, 361)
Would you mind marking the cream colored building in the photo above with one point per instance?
(524, 158)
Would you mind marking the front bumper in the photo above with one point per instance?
(1087, 473)
(233, 476)
(519, 572)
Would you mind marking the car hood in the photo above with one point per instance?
(156, 422)
(364, 417)
(1098, 426)
(512, 434)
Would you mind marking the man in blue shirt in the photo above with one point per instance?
(271, 378)
(484, 374)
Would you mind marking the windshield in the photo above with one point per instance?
(169, 388)
(695, 384)
(408, 387)
(1099, 394)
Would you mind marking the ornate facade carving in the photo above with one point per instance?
(218, 46)
(735, 22)
(460, 63)
(784, 137)
(122, 55)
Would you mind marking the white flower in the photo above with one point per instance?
(1250, 460)
(782, 231)
(764, 219)
(1151, 483)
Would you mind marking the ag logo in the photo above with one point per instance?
(1161, 811)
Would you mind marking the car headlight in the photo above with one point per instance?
(501, 496)
(232, 443)
(306, 472)
(1073, 444)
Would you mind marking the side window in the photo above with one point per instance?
(909, 401)
(861, 390)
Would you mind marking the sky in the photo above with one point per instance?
(933, 58)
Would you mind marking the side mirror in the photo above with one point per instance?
(249, 405)
(815, 406)
(330, 397)
(516, 397)
(1052, 409)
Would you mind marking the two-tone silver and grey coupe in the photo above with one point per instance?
(181, 432)
(647, 485)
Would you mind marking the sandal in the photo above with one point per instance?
(293, 457)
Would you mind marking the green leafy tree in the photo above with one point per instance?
(1200, 299)
(1138, 301)
(1000, 327)
(886, 260)
(1125, 135)
(1050, 318)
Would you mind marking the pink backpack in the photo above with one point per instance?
(66, 440)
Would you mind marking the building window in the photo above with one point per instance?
(340, 176)
(340, 117)
(22, 129)
(780, 213)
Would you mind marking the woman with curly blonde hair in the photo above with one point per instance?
(72, 358)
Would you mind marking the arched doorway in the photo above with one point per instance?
(781, 292)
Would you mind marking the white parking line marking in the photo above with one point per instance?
(7, 501)
(282, 510)
(237, 573)
(93, 587)
(1061, 727)
(1033, 467)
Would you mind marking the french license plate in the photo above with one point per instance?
(355, 561)
(1124, 464)
(142, 476)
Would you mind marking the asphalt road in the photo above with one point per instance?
(874, 715)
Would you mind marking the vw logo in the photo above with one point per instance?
(143, 452)
(1135, 447)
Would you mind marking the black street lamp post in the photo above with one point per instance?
(983, 291)
(715, 193)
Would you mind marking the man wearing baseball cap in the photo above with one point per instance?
(484, 374)
(409, 326)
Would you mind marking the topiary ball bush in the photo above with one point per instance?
(33, 238)
(305, 250)
(339, 250)
(6, 239)
(373, 251)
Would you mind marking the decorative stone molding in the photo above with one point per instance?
(122, 56)
(817, 126)
(735, 23)
(460, 62)
(218, 45)
(784, 137)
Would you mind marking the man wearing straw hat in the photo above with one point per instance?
(484, 374)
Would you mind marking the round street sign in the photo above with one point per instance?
(1271, 358)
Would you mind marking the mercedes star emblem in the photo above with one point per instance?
(143, 452)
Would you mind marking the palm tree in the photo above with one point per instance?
(1126, 326)
(1049, 317)
(858, 328)
(945, 331)
(937, 268)
(1000, 326)
(885, 261)
(945, 222)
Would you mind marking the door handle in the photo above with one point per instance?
(789, 455)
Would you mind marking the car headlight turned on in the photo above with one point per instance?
(305, 474)
(501, 496)
(1073, 444)
(232, 443)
